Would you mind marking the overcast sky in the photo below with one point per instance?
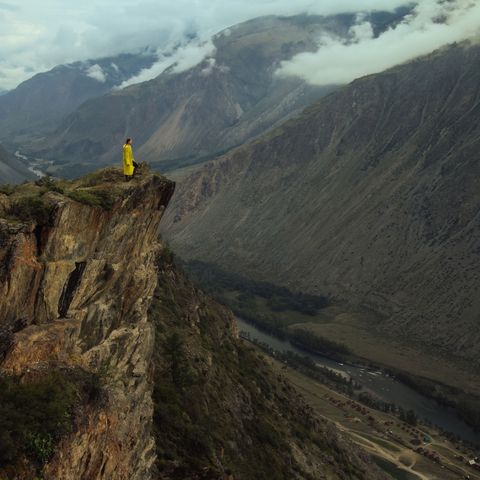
(432, 24)
(37, 35)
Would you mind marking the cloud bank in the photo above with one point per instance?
(175, 59)
(36, 36)
(432, 24)
(96, 72)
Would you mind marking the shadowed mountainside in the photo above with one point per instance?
(371, 197)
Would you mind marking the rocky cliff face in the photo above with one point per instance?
(80, 287)
(87, 288)
(370, 197)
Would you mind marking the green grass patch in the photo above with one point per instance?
(7, 189)
(48, 184)
(95, 197)
(317, 344)
(393, 470)
(105, 175)
(34, 416)
(383, 443)
(28, 201)
(30, 208)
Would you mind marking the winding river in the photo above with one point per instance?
(384, 386)
(35, 165)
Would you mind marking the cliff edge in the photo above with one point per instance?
(76, 281)
(114, 366)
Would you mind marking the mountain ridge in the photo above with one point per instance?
(233, 95)
(39, 103)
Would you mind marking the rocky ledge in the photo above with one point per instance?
(77, 274)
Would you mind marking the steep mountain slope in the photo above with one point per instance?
(224, 409)
(232, 96)
(11, 170)
(371, 196)
(37, 104)
(90, 298)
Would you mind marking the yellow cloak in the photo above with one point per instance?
(127, 160)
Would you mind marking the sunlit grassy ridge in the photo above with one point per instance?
(31, 202)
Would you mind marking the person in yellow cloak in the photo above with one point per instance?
(129, 163)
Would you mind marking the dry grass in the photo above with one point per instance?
(356, 333)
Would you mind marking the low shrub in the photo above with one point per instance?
(48, 184)
(7, 189)
(94, 198)
(167, 254)
(34, 416)
(106, 175)
(314, 343)
(31, 208)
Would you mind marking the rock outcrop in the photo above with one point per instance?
(80, 288)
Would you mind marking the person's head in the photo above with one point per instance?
(128, 141)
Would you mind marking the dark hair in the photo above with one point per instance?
(128, 140)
